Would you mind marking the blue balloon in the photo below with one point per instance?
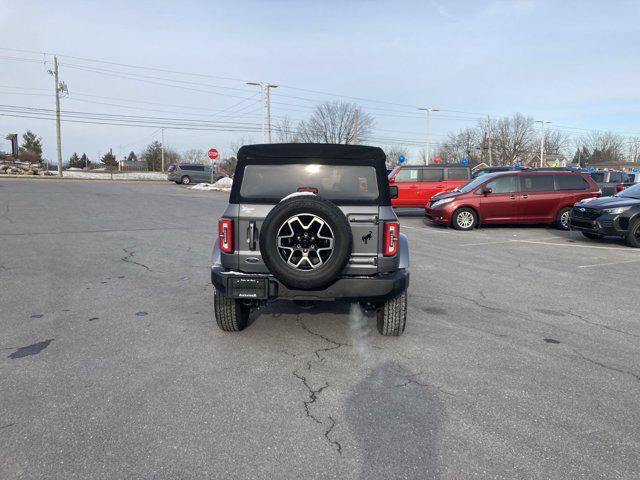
(518, 164)
(591, 169)
(401, 158)
(464, 161)
(634, 170)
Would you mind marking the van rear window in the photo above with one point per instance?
(335, 182)
(571, 182)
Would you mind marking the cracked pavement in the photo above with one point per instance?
(516, 363)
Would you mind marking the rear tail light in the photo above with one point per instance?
(391, 238)
(619, 188)
(225, 234)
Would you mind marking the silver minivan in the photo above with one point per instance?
(187, 173)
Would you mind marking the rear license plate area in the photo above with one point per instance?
(248, 288)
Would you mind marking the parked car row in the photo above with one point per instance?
(566, 198)
(512, 197)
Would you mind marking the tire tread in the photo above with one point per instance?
(392, 316)
(231, 315)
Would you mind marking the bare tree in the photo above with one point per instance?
(393, 152)
(462, 144)
(286, 131)
(605, 147)
(557, 145)
(333, 122)
(236, 145)
(196, 155)
(634, 150)
(513, 139)
(228, 165)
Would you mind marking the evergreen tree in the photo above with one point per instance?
(132, 157)
(74, 160)
(152, 155)
(31, 148)
(84, 161)
(109, 159)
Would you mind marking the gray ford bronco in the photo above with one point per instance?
(309, 222)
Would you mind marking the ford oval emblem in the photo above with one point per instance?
(582, 209)
(252, 260)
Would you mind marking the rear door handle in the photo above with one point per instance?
(525, 196)
(512, 197)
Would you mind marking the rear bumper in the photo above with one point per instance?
(375, 288)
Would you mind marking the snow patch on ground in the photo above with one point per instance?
(297, 194)
(222, 185)
(115, 176)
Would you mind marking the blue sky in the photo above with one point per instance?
(575, 64)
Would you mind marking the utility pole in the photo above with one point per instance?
(58, 141)
(162, 145)
(489, 138)
(355, 126)
(269, 114)
(428, 110)
(265, 95)
(542, 122)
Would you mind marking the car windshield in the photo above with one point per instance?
(631, 192)
(334, 182)
(472, 185)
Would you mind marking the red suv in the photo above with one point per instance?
(418, 183)
(513, 197)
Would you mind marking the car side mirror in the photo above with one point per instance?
(487, 191)
(393, 190)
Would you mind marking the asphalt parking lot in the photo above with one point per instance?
(521, 356)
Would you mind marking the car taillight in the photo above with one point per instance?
(391, 238)
(619, 188)
(225, 234)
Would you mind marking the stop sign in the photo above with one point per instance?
(213, 153)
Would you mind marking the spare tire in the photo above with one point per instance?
(306, 242)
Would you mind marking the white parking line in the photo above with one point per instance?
(607, 264)
(501, 242)
(425, 229)
(486, 243)
(620, 249)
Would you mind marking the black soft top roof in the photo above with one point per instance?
(323, 153)
(359, 154)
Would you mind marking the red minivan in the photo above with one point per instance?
(418, 183)
(513, 197)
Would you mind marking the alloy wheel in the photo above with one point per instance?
(305, 241)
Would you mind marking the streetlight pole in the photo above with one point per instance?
(542, 122)
(428, 110)
(265, 95)
(489, 138)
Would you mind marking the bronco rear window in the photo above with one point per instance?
(339, 183)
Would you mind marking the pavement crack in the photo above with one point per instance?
(334, 343)
(411, 379)
(329, 439)
(609, 367)
(607, 327)
(294, 355)
(313, 395)
(128, 258)
(479, 304)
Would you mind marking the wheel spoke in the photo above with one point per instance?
(305, 241)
